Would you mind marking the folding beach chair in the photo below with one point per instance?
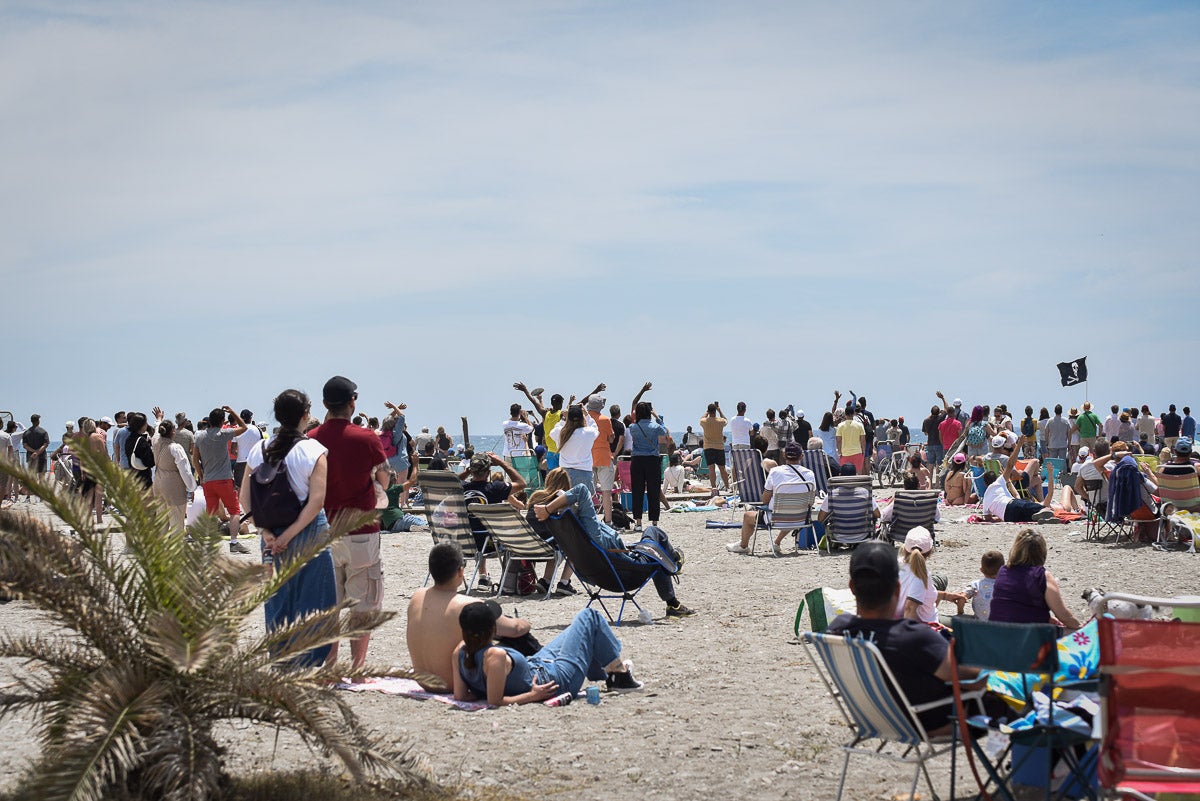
(816, 461)
(747, 464)
(911, 508)
(882, 722)
(791, 510)
(516, 539)
(1031, 650)
(849, 521)
(1149, 708)
(527, 465)
(996, 467)
(601, 576)
(446, 511)
(977, 481)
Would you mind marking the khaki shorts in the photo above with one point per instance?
(358, 571)
(604, 477)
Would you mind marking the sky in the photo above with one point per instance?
(206, 203)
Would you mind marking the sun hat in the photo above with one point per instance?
(998, 442)
(918, 539)
(1084, 452)
(1183, 446)
(958, 401)
(596, 403)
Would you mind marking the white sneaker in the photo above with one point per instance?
(736, 547)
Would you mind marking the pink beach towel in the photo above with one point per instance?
(410, 689)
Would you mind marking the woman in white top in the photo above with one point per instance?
(311, 589)
(918, 597)
(575, 434)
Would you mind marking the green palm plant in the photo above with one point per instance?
(149, 650)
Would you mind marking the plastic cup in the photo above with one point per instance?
(593, 695)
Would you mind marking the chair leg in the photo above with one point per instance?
(842, 781)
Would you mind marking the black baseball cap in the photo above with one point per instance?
(339, 390)
(874, 559)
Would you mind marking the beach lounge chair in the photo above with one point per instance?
(1149, 708)
(747, 465)
(601, 576)
(881, 720)
(849, 521)
(791, 511)
(1031, 650)
(816, 461)
(446, 511)
(527, 465)
(911, 508)
(516, 539)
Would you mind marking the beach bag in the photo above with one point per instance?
(273, 502)
(520, 580)
(976, 434)
(1028, 427)
(823, 605)
(134, 461)
(620, 517)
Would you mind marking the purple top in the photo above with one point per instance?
(1020, 595)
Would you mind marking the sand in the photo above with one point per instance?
(731, 705)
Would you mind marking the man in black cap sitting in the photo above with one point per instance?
(917, 655)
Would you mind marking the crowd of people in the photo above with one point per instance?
(350, 462)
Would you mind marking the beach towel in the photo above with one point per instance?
(722, 524)
(1078, 658)
(688, 506)
(410, 689)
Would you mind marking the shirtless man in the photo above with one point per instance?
(433, 632)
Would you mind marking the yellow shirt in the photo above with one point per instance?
(552, 419)
(714, 432)
(849, 432)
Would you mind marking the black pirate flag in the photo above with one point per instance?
(1073, 373)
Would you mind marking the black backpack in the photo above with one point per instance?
(273, 502)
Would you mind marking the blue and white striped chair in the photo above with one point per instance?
(875, 708)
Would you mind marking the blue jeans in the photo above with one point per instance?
(406, 523)
(581, 651)
(581, 498)
(582, 477)
(310, 590)
(936, 454)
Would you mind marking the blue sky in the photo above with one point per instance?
(205, 203)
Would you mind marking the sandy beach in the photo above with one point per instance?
(731, 706)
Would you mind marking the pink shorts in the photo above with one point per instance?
(857, 461)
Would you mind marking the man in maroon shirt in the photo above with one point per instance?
(356, 461)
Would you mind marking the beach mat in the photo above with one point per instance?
(410, 689)
(722, 524)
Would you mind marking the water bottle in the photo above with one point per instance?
(562, 699)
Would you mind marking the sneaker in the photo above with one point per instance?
(483, 582)
(1044, 516)
(566, 588)
(623, 682)
(736, 547)
(237, 547)
(679, 610)
(543, 586)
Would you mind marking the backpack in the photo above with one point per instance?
(273, 502)
(389, 447)
(1028, 427)
(976, 434)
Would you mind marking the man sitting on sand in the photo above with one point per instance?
(999, 502)
(433, 631)
(918, 656)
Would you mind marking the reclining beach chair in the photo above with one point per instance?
(1150, 708)
(881, 720)
(791, 511)
(747, 464)
(814, 459)
(601, 577)
(446, 511)
(527, 465)
(516, 539)
(849, 506)
(911, 508)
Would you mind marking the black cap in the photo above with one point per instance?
(247, 415)
(875, 559)
(479, 617)
(339, 391)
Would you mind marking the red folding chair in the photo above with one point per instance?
(1150, 707)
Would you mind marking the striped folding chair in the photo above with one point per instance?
(516, 539)
(815, 460)
(911, 508)
(791, 510)
(881, 720)
(747, 465)
(848, 507)
(446, 511)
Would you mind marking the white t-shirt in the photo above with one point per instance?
(246, 442)
(771, 435)
(515, 432)
(739, 430)
(576, 452)
(673, 478)
(299, 462)
(786, 474)
(911, 587)
(996, 498)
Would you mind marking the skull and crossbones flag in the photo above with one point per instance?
(1073, 373)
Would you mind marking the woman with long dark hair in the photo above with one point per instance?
(312, 588)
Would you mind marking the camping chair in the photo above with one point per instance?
(849, 521)
(816, 461)
(446, 511)
(977, 481)
(1148, 460)
(911, 508)
(1119, 518)
(601, 576)
(1095, 497)
(791, 510)
(516, 539)
(527, 465)
(1060, 469)
(1019, 491)
(747, 464)
(1030, 649)
(874, 707)
(1149, 707)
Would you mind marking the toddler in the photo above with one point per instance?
(980, 590)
